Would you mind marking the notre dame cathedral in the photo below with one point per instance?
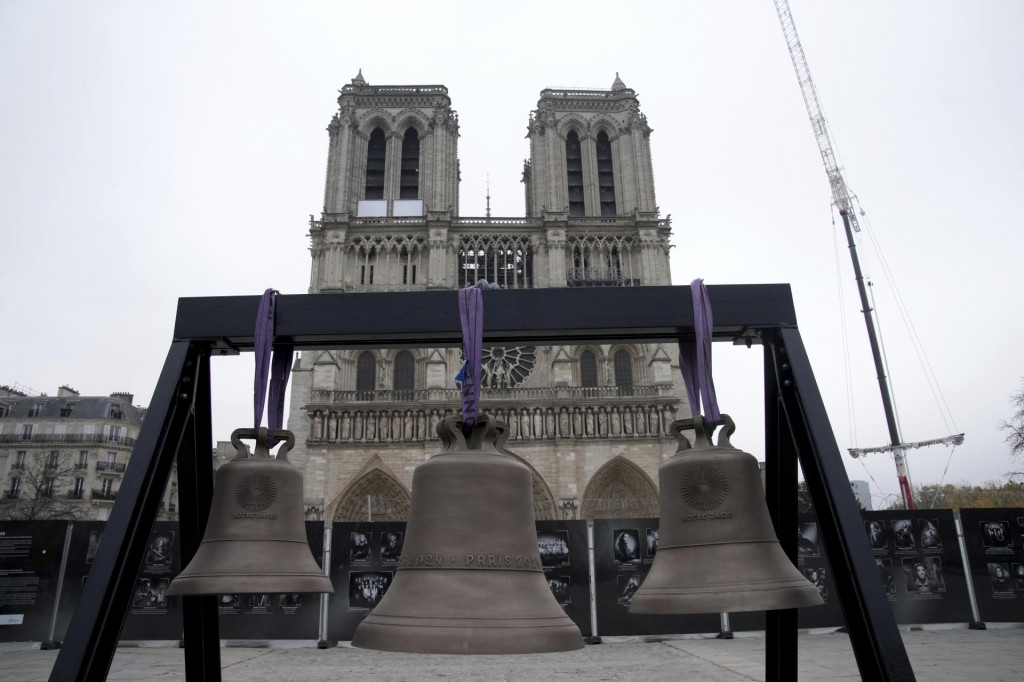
(590, 421)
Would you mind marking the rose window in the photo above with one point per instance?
(507, 366)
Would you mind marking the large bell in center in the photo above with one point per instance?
(255, 539)
(470, 580)
(717, 549)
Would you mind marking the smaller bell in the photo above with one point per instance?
(717, 549)
(255, 539)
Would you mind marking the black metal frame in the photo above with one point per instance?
(178, 424)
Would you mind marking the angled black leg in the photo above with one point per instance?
(876, 640)
(92, 636)
(781, 495)
(195, 493)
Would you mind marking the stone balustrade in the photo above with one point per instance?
(352, 424)
(450, 396)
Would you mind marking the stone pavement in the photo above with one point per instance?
(994, 655)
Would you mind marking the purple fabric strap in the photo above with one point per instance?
(695, 356)
(471, 314)
(279, 369)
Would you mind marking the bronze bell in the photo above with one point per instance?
(470, 580)
(255, 539)
(717, 549)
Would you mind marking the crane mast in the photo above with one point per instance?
(842, 199)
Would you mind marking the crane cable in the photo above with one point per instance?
(943, 479)
(904, 312)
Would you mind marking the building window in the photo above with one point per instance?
(46, 490)
(53, 460)
(376, 153)
(15, 488)
(107, 487)
(588, 369)
(405, 372)
(574, 172)
(79, 488)
(19, 460)
(116, 412)
(406, 269)
(366, 376)
(605, 176)
(623, 372)
(113, 433)
(410, 181)
(35, 409)
(67, 409)
(4, 410)
(111, 457)
(83, 459)
(26, 432)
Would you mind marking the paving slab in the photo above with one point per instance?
(950, 655)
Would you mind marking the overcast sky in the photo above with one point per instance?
(155, 150)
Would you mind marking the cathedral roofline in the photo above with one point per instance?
(587, 95)
(392, 90)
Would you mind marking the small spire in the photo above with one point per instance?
(359, 80)
(618, 84)
(488, 195)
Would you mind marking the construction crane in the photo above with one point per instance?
(842, 199)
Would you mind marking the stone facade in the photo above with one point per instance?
(65, 456)
(591, 421)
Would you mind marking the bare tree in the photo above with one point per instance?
(1015, 427)
(41, 493)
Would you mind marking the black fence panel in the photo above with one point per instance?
(154, 616)
(565, 558)
(995, 550)
(30, 558)
(919, 564)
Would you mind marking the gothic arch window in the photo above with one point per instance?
(388, 499)
(405, 372)
(504, 260)
(366, 375)
(368, 259)
(623, 365)
(620, 490)
(588, 369)
(574, 173)
(600, 260)
(605, 176)
(409, 187)
(376, 153)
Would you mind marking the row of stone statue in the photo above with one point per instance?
(384, 426)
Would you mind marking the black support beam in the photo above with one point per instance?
(877, 644)
(781, 644)
(536, 316)
(92, 636)
(195, 495)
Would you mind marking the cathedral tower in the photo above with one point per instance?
(590, 421)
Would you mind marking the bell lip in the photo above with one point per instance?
(189, 585)
(441, 638)
(777, 594)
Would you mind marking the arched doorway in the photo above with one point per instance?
(375, 495)
(620, 489)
